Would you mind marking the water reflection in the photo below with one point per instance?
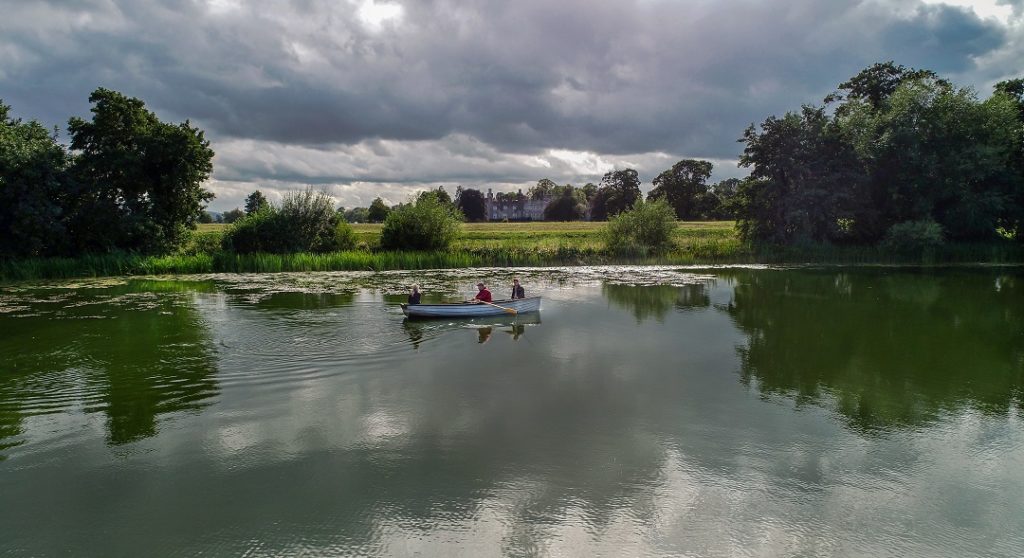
(656, 301)
(885, 349)
(483, 327)
(342, 429)
(132, 352)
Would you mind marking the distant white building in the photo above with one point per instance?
(519, 209)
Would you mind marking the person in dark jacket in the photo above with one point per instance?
(517, 289)
(414, 295)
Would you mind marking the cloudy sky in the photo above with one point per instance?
(371, 97)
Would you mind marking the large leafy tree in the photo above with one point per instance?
(470, 202)
(804, 180)
(721, 199)
(378, 211)
(618, 192)
(33, 183)
(903, 150)
(875, 84)
(255, 201)
(684, 187)
(440, 194)
(140, 180)
(1013, 216)
(936, 153)
(544, 189)
(570, 205)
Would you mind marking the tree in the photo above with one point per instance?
(206, 217)
(569, 206)
(439, 194)
(139, 180)
(471, 203)
(599, 205)
(1012, 218)
(621, 189)
(683, 187)
(721, 200)
(589, 191)
(932, 152)
(33, 186)
(875, 84)
(805, 180)
(233, 215)
(357, 215)
(255, 202)
(543, 190)
(378, 211)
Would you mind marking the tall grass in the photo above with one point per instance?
(500, 245)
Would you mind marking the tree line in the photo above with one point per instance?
(126, 182)
(895, 155)
(684, 186)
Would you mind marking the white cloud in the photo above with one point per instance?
(375, 15)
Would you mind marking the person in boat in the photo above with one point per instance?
(482, 295)
(517, 289)
(414, 295)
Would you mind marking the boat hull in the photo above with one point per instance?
(470, 309)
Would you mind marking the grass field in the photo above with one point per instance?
(497, 245)
(579, 235)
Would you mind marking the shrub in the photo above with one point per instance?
(646, 227)
(253, 233)
(913, 236)
(202, 242)
(305, 222)
(424, 225)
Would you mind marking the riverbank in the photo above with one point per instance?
(496, 245)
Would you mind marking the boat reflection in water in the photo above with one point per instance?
(515, 326)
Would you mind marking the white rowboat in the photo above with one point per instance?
(471, 309)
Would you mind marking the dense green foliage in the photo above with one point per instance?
(129, 183)
(33, 186)
(618, 192)
(648, 226)
(305, 222)
(913, 236)
(138, 180)
(569, 205)
(254, 202)
(232, 215)
(440, 194)
(683, 187)
(378, 211)
(902, 146)
(355, 215)
(427, 224)
(470, 202)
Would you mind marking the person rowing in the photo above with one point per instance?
(482, 295)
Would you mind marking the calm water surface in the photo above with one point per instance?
(643, 412)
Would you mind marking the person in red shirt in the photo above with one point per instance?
(483, 295)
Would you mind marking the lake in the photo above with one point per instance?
(644, 411)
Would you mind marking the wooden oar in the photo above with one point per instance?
(512, 311)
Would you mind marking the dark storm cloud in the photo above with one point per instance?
(622, 77)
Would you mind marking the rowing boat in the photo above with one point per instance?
(471, 309)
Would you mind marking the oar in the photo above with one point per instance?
(512, 311)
